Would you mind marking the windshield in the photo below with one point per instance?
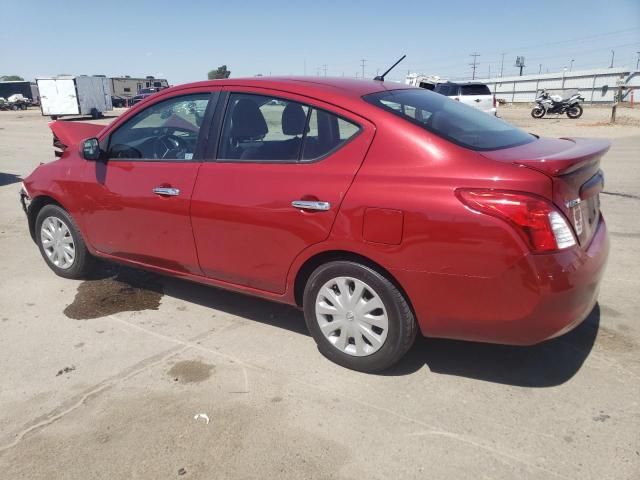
(475, 89)
(451, 120)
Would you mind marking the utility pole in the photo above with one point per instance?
(638, 61)
(362, 62)
(305, 67)
(474, 65)
(571, 66)
(613, 55)
(501, 65)
(324, 67)
(539, 68)
(489, 71)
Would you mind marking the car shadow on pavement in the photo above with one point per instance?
(547, 364)
(544, 365)
(245, 306)
(8, 179)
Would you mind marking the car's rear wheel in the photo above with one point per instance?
(61, 243)
(537, 112)
(358, 318)
(575, 111)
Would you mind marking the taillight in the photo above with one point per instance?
(538, 222)
(494, 101)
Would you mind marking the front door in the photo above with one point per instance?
(137, 200)
(283, 167)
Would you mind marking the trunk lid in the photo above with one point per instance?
(573, 165)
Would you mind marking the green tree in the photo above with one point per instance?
(218, 73)
(11, 78)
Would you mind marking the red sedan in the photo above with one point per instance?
(379, 210)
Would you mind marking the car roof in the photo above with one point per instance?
(319, 87)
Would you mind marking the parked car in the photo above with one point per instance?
(379, 209)
(15, 102)
(143, 93)
(474, 94)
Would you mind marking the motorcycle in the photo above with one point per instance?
(546, 103)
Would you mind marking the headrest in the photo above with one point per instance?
(247, 120)
(293, 119)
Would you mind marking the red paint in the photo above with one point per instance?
(382, 225)
(392, 191)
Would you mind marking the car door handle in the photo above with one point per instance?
(311, 205)
(167, 191)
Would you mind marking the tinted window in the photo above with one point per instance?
(475, 90)
(451, 120)
(447, 89)
(326, 133)
(166, 130)
(261, 128)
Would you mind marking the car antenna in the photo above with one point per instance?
(380, 78)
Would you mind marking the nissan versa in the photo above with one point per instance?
(378, 209)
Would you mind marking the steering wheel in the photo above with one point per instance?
(169, 146)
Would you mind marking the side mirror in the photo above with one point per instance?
(91, 149)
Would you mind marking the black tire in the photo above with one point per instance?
(574, 111)
(82, 262)
(402, 327)
(54, 117)
(537, 112)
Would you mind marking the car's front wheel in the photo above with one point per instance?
(358, 318)
(61, 243)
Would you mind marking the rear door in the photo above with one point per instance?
(477, 96)
(58, 96)
(283, 164)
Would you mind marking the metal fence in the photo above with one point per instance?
(596, 86)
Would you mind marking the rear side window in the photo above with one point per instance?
(447, 89)
(326, 132)
(451, 120)
(259, 128)
(475, 90)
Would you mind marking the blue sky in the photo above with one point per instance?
(182, 40)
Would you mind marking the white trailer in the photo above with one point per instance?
(68, 95)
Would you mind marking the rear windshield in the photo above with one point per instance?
(475, 90)
(449, 89)
(451, 120)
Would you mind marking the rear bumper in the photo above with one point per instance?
(537, 298)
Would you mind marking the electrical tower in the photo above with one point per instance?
(362, 63)
(474, 65)
(324, 67)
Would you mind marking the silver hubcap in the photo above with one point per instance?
(352, 316)
(57, 242)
